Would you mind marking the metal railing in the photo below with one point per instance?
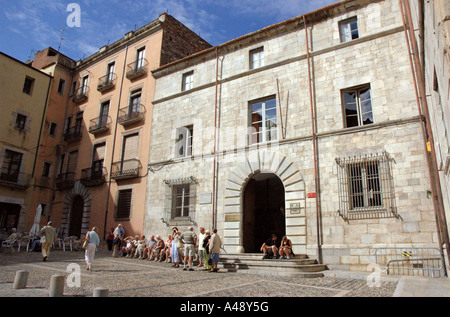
(100, 124)
(65, 180)
(72, 134)
(131, 114)
(15, 180)
(126, 169)
(137, 69)
(414, 261)
(366, 187)
(81, 94)
(106, 82)
(93, 176)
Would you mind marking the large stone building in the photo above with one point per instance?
(23, 100)
(92, 164)
(307, 128)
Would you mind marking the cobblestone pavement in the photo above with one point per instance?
(125, 277)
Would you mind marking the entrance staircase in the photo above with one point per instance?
(298, 266)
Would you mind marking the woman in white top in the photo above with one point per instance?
(93, 241)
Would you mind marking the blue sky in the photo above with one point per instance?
(31, 25)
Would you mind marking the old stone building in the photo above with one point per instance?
(307, 128)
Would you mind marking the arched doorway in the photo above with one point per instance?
(76, 216)
(263, 210)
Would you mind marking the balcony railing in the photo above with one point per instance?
(73, 134)
(93, 176)
(137, 69)
(106, 82)
(126, 169)
(100, 124)
(81, 94)
(15, 180)
(66, 180)
(131, 114)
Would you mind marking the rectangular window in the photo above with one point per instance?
(183, 146)
(263, 121)
(28, 85)
(357, 103)
(52, 130)
(110, 72)
(257, 58)
(11, 166)
(348, 30)
(180, 201)
(61, 86)
(74, 88)
(84, 85)
(124, 203)
(103, 117)
(46, 169)
(188, 81)
(98, 158)
(21, 120)
(366, 187)
(135, 102)
(140, 58)
(61, 164)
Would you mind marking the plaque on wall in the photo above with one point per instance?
(295, 208)
(205, 198)
(232, 218)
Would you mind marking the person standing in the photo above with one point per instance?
(48, 237)
(215, 243)
(110, 239)
(174, 252)
(201, 249)
(189, 239)
(119, 233)
(206, 247)
(93, 241)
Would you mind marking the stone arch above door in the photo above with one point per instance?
(77, 190)
(294, 185)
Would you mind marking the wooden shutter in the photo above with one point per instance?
(124, 203)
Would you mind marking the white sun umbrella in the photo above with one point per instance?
(37, 221)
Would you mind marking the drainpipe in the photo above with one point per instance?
(431, 157)
(314, 140)
(215, 142)
(114, 143)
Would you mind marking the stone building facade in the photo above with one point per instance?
(307, 128)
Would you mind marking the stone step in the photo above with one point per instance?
(300, 265)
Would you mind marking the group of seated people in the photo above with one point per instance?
(274, 249)
(155, 249)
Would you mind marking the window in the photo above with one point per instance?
(103, 117)
(110, 72)
(61, 86)
(135, 102)
(257, 58)
(74, 88)
(188, 81)
(46, 169)
(21, 121)
(52, 130)
(183, 146)
(61, 164)
(348, 29)
(366, 187)
(84, 84)
(98, 158)
(28, 85)
(357, 104)
(263, 121)
(11, 166)
(78, 122)
(124, 203)
(140, 58)
(180, 201)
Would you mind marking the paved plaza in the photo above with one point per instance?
(126, 277)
